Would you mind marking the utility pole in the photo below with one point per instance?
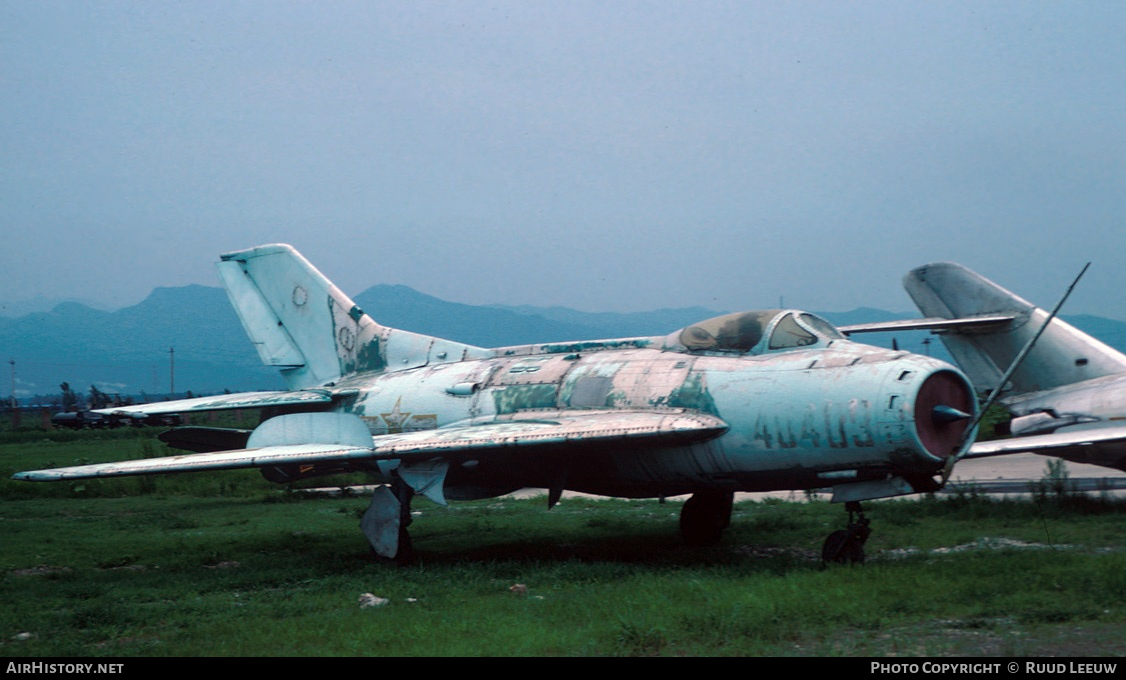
(15, 406)
(172, 370)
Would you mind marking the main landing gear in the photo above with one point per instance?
(386, 520)
(704, 516)
(847, 545)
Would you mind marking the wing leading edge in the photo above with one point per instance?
(978, 323)
(314, 438)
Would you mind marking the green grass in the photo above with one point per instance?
(217, 566)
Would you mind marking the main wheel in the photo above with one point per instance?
(704, 517)
(844, 546)
(832, 551)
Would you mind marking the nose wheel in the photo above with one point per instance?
(847, 545)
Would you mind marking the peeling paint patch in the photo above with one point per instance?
(593, 345)
(693, 394)
(513, 398)
(590, 392)
(369, 358)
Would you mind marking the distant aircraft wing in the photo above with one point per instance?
(315, 438)
(222, 402)
(1099, 446)
(932, 323)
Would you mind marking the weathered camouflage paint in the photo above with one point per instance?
(796, 416)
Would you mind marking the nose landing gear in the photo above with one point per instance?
(847, 545)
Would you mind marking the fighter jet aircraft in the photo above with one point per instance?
(753, 401)
(1069, 381)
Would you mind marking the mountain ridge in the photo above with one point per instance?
(132, 350)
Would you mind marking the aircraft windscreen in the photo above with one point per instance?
(787, 333)
(822, 326)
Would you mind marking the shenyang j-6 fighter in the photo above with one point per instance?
(754, 401)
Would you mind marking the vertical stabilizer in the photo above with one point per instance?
(1063, 355)
(304, 325)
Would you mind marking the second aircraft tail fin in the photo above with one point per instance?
(1063, 354)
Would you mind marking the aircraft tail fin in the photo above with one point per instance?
(1063, 354)
(314, 333)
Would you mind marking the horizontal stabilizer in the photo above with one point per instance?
(565, 430)
(223, 402)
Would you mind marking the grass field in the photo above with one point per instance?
(226, 564)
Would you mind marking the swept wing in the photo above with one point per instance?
(930, 323)
(336, 437)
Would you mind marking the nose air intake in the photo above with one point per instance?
(943, 410)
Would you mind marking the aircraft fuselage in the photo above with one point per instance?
(799, 419)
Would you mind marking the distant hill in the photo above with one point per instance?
(38, 304)
(406, 308)
(127, 351)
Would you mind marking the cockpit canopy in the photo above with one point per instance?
(757, 332)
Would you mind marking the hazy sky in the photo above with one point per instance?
(599, 155)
